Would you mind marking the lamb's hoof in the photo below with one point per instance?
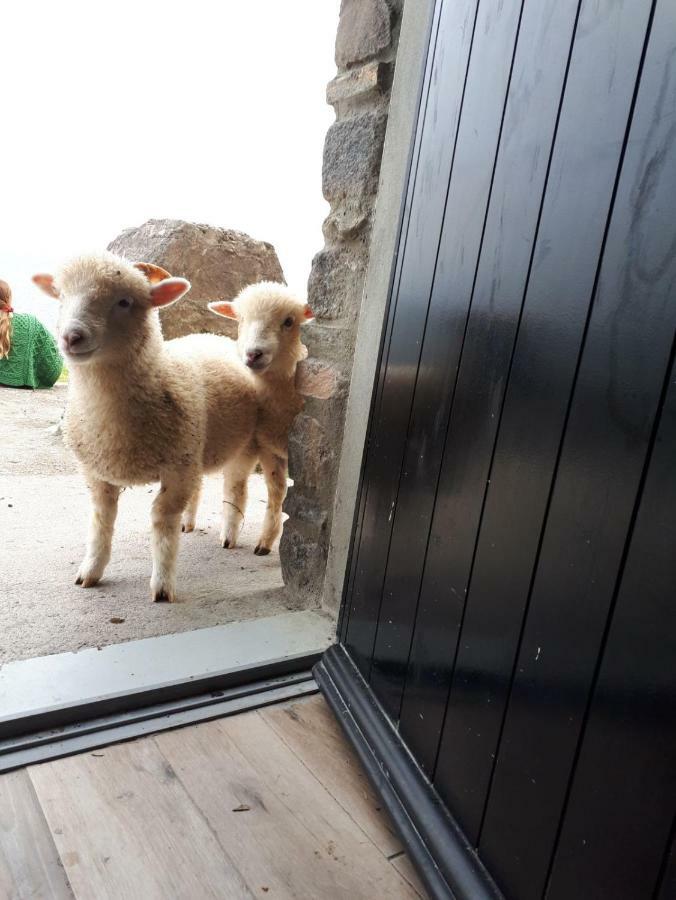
(87, 580)
(163, 596)
(187, 527)
(226, 544)
(90, 582)
(261, 551)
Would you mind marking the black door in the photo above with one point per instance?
(510, 612)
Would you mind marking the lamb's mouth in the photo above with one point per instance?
(78, 357)
(257, 365)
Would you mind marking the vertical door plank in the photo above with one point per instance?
(621, 807)
(29, 861)
(400, 359)
(291, 836)
(601, 81)
(666, 887)
(125, 827)
(608, 435)
(478, 135)
(536, 86)
(310, 729)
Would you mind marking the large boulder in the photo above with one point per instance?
(218, 262)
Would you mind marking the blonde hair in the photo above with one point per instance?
(5, 321)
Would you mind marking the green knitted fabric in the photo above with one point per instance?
(34, 359)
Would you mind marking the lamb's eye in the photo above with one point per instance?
(288, 322)
(124, 303)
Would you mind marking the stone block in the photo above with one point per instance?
(364, 31)
(361, 83)
(352, 155)
(336, 280)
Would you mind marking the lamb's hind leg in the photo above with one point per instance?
(235, 478)
(104, 499)
(274, 469)
(190, 512)
(175, 491)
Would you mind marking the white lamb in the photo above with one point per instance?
(269, 317)
(141, 409)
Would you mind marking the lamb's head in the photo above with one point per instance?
(107, 305)
(269, 317)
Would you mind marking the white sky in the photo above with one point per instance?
(117, 113)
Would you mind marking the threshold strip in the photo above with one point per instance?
(77, 737)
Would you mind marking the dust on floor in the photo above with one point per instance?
(44, 513)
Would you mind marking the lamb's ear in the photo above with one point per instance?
(308, 315)
(168, 291)
(153, 273)
(223, 308)
(46, 284)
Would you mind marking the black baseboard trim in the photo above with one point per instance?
(446, 862)
(92, 733)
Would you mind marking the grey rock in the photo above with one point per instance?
(336, 280)
(359, 84)
(352, 155)
(310, 455)
(218, 262)
(364, 31)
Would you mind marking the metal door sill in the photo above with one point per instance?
(73, 697)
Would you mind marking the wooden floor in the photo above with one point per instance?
(269, 804)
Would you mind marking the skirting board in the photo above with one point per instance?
(446, 862)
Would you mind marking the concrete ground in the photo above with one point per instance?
(44, 513)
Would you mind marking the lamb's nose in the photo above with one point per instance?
(253, 355)
(72, 337)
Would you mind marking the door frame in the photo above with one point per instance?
(418, 23)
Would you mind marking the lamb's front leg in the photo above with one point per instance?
(176, 490)
(274, 469)
(104, 499)
(235, 482)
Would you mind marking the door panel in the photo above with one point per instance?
(578, 194)
(419, 251)
(607, 439)
(627, 754)
(526, 138)
(478, 133)
(511, 580)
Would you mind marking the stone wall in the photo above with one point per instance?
(366, 46)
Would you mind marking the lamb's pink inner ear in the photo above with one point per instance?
(223, 308)
(308, 315)
(46, 284)
(153, 273)
(168, 291)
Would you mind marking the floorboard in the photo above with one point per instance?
(124, 826)
(29, 861)
(269, 803)
(292, 836)
(312, 732)
(405, 868)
